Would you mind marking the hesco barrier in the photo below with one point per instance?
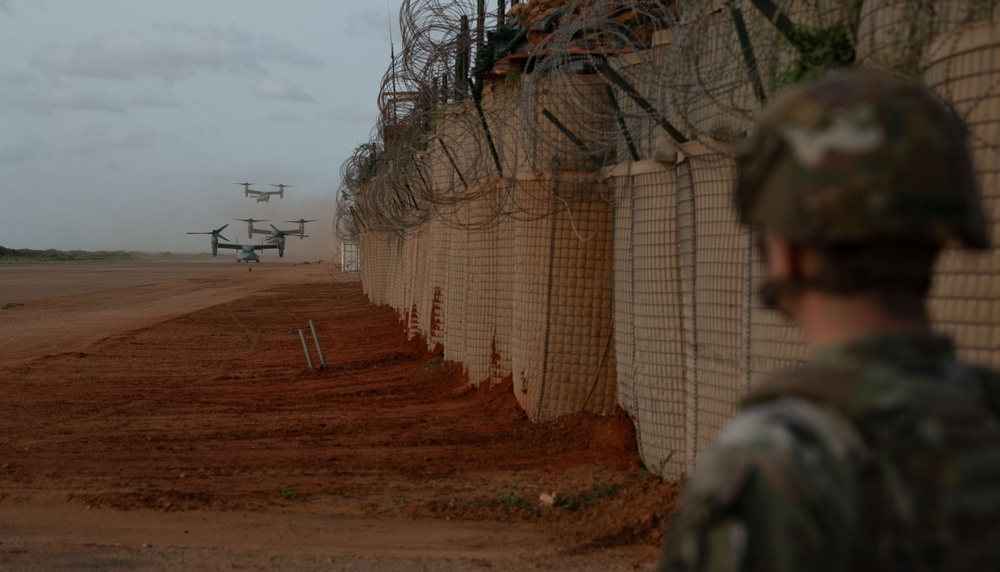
(963, 66)
(629, 280)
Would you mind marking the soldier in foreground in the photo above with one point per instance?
(883, 451)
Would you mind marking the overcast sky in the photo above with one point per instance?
(125, 123)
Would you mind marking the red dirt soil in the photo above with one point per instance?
(213, 414)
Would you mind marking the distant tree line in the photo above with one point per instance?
(23, 255)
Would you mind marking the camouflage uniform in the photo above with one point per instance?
(882, 453)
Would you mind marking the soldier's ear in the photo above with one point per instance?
(781, 262)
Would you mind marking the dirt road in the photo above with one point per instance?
(164, 418)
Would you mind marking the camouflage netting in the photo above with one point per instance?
(551, 203)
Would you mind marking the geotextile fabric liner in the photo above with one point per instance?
(660, 384)
(963, 66)
(563, 358)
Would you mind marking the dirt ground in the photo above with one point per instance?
(162, 417)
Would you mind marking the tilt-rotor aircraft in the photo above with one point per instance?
(246, 252)
(250, 229)
(276, 236)
(275, 232)
(263, 196)
(302, 227)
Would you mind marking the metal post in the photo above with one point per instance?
(480, 22)
(309, 359)
(319, 349)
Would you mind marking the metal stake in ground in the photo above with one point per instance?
(319, 348)
(309, 359)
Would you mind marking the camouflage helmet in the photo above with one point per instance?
(857, 157)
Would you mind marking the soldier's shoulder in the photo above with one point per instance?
(775, 467)
(780, 443)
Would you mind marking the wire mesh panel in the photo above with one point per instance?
(686, 244)
(641, 135)
(963, 66)
(533, 241)
(566, 120)
(507, 276)
(579, 374)
(408, 260)
(417, 239)
(721, 264)
(456, 292)
(350, 258)
(439, 259)
(714, 95)
(892, 34)
(480, 279)
(660, 336)
(375, 265)
(394, 270)
(563, 359)
(620, 182)
(501, 106)
(366, 250)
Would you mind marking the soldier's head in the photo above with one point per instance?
(867, 173)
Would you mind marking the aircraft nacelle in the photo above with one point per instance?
(216, 235)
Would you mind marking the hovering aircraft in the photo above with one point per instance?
(250, 228)
(246, 187)
(275, 232)
(276, 237)
(302, 226)
(246, 252)
(263, 196)
(216, 235)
